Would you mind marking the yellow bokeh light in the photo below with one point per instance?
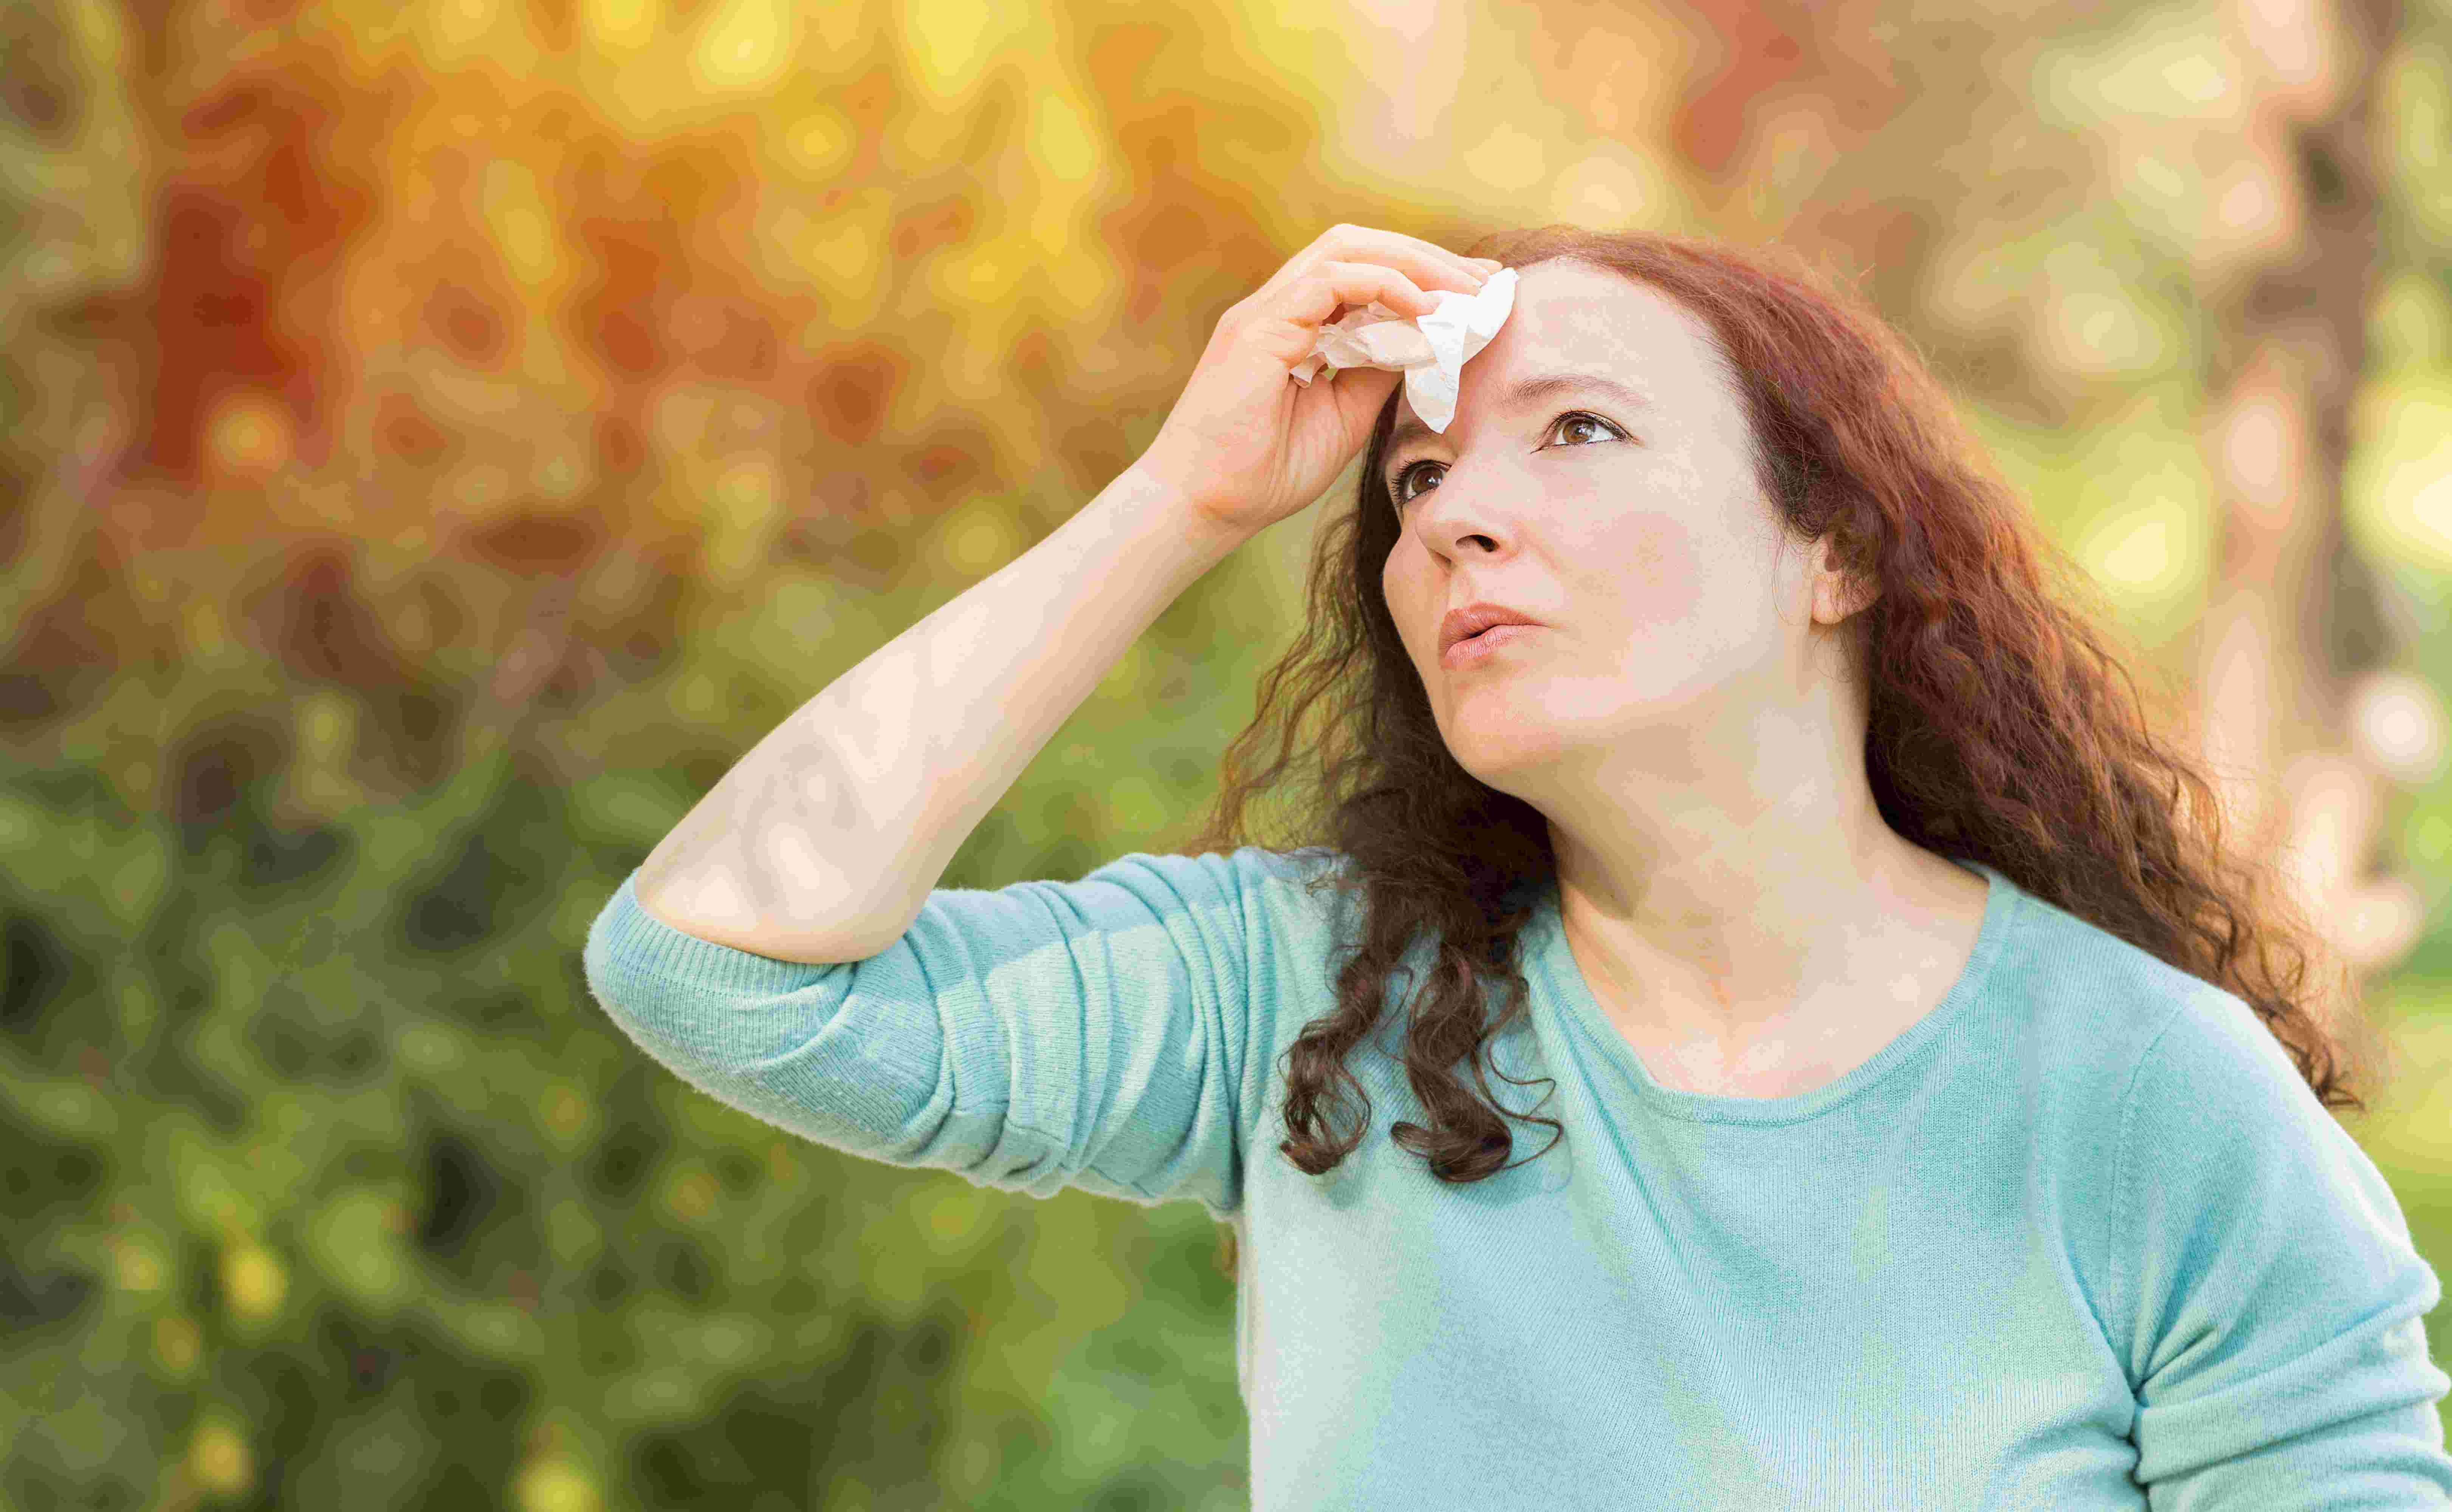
(2431, 506)
(1507, 159)
(819, 142)
(253, 1281)
(620, 27)
(956, 1213)
(139, 1270)
(1619, 186)
(563, 1110)
(100, 32)
(462, 31)
(850, 255)
(746, 44)
(748, 489)
(218, 1458)
(554, 1485)
(520, 222)
(453, 24)
(1063, 140)
(2397, 488)
(694, 1196)
(177, 1341)
(249, 432)
(949, 41)
(2139, 557)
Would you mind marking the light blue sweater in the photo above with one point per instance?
(2080, 1238)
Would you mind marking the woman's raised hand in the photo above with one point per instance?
(1245, 445)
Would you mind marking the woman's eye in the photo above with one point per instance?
(1396, 484)
(1579, 417)
(1610, 432)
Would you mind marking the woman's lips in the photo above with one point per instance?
(1476, 649)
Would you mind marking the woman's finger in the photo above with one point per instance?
(1312, 301)
(1408, 295)
(1279, 329)
(1428, 264)
(1411, 253)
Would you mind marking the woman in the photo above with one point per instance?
(1926, 1136)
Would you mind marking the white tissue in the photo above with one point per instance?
(1431, 350)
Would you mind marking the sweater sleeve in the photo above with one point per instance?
(1105, 1034)
(2273, 1302)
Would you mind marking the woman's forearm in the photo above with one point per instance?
(823, 841)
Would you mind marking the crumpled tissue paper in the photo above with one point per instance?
(1431, 350)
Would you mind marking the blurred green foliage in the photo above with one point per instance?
(316, 1137)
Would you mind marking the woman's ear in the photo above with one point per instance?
(1837, 594)
(1850, 596)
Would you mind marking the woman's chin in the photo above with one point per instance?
(1489, 756)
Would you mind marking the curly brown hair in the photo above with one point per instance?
(2001, 726)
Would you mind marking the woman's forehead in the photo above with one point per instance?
(1573, 320)
(1574, 314)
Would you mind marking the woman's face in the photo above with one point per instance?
(1596, 479)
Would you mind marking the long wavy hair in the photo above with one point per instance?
(2001, 726)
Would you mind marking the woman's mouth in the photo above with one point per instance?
(1474, 650)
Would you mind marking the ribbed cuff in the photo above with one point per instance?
(628, 937)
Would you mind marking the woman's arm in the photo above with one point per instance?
(823, 841)
(823, 844)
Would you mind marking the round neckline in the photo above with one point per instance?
(1565, 980)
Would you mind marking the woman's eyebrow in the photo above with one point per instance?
(1409, 427)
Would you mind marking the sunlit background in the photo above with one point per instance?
(441, 438)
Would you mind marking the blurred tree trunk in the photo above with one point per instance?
(2295, 639)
